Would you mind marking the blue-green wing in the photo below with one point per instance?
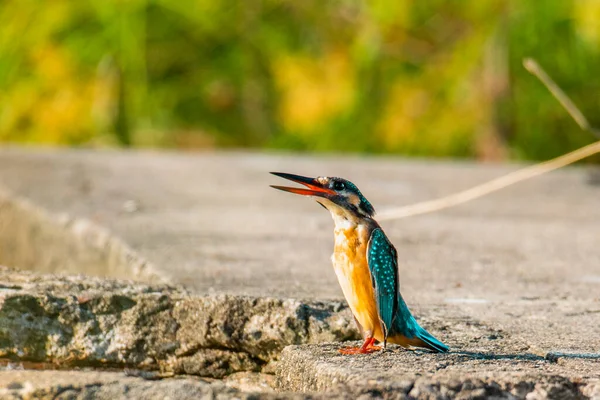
(383, 265)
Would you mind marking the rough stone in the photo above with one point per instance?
(94, 385)
(102, 385)
(251, 382)
(83, 321)
(398, 373)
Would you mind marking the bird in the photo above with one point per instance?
(366, 265)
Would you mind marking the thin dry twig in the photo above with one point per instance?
(513, 177)
(534, 68)
(491, 186)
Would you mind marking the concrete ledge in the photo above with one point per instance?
(84, 321)
(398, 373)
(51, 385)
(105, 385)
(32, 238)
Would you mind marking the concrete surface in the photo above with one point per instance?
(72, 321)
(80, 385)
(416, 374)
(35, 239)
(514, 274)
(103, 385)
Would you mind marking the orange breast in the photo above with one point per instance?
(350, 264)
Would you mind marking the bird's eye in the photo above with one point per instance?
(339, 186)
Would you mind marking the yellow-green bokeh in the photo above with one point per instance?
(432, 78)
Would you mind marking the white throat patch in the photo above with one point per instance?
(341, 217)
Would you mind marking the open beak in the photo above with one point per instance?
(315, 188)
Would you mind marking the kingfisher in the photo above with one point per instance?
(366, 265)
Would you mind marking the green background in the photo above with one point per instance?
(427, 78)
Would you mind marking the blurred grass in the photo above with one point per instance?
(432, 78)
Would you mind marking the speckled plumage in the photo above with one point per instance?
(366, 265)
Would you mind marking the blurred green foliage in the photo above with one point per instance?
(436, 78)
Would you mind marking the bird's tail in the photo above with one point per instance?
(430, 342)
(408, 331)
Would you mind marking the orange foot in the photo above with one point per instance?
(367, 348)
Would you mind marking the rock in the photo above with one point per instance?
(112, 385)
(399, 373)
(260, 327)
(251, 382)
(83, 321)
(213, 363)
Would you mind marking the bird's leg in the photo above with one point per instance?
(371, 348)
(366, 348)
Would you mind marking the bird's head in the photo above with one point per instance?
(335, 194)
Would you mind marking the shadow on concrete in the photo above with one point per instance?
(554, 356)
(473, 355)
(551, 356)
